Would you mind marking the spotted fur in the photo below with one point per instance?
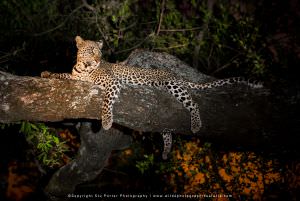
(111, 77)
(167, 138)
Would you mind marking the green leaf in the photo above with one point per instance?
(55, 139)
(33, 126)
(114, 19)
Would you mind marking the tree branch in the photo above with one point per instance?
(234, 113)
(162, 9)
(94, 151)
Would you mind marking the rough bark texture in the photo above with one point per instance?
(140, 108)
(95, 149)
(231, 114)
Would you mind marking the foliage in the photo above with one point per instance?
(232, 42)
(47, 146)
(223, 40)
(146, 163)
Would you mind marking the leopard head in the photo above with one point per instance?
(89, 52)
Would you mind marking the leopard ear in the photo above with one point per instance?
(100, 44)
(79, 41)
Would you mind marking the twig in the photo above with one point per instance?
(199, 39)
(88, 6)
(128, 27)
(135, 46)
(91, 8)
(162, 9)
(200, 36)
(5, 57)
(225, 65)
(171, 47)
(209, 56)
(114, 171)
(61, 24)
(180, 30)
(149, 22)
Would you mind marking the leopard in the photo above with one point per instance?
(111, 77)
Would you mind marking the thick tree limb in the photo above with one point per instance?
(234, 113)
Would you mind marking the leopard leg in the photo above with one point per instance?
(183, 96)
(167, 137)
(47, 74)
(112, 91)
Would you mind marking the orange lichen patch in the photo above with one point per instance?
(251, 165)
(185, 167)
(272, 177)
(193, 167)
(237, 173)
(71, 140)
(178, 173)
(224, 175)
(187, 157)
(20, 185)
(235, 169)
(220, 199)
(216, 186)
(225, 158)
(246, 190)
(207, 159)
(252, 187)
(191, 147)
(178, 155)
(235, 157)
(199, 178)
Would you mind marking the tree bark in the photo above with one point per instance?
(94, 151)
(234, 114)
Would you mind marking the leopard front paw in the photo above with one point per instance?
(45, 74)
